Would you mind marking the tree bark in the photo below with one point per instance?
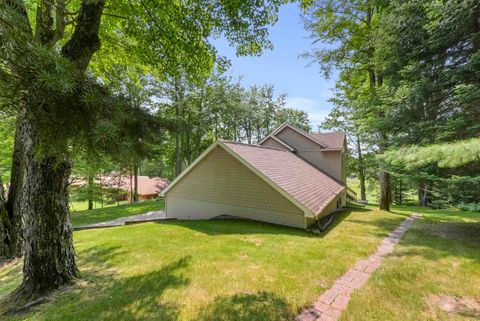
(361, 171)
(49, 254)
(5, 225)
(422, 194)
(90, 191)
(384, 190)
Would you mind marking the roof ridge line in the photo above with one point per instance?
(254, 145)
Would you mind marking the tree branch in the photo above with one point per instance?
(85, 41)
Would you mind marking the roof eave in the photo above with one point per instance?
(299, 131)
(331, 150)
(288, 147)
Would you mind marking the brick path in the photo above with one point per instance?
(331, 303)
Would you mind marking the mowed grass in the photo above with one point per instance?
(110, 213)
(439, 256)
(76, 206)
(207, 270)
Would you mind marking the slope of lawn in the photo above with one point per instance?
(438, 258)
(77, 206)
(207, 270)
(109, 213)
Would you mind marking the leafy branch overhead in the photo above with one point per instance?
(446, 155)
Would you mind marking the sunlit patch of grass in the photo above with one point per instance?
(10, 276)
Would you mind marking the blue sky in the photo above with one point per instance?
(306, 88)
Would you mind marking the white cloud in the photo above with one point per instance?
(316, 113)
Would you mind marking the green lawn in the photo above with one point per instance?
(246, 271)
(207, 270)
(76, 206)
(110, 213)
(439, 256)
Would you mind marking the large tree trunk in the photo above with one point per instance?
(385, 195)
(49, 255)
(361, 171)
(384, 190)
(48, 250)
(376, 81)
(422, 194)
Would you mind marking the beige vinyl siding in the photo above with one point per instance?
(270, 142)
(297, 140)
(220, 184)
(330, 162)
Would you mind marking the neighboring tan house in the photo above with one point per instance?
(291, 178)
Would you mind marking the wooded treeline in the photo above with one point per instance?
(217, 108)
(409, 76)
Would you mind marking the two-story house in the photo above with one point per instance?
(291, 178)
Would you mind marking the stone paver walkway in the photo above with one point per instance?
(145, 217)
(331, 303)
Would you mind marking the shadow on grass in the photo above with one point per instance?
(262, 306)
(339, 217)
(436, 240)
(108, 296)
(104, 295)
(236, 226)
(232, 225)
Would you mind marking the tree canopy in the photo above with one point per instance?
(408, 83)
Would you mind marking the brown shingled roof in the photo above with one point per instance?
(146, 185)
(307, 185)
(151, 186)
(330, 140)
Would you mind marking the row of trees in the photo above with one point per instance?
(408, 76)
(218, 108)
